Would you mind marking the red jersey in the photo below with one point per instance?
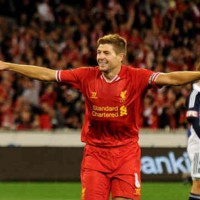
(112, 108)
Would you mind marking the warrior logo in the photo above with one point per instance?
(93, 95)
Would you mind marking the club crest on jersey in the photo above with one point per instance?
(93, 95)
(123, 96)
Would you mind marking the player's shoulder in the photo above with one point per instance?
(86, 69)
(128, 67)
(92, 70)
(133, 69)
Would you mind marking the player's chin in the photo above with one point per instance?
(103, 68)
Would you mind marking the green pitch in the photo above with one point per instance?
(71, 191)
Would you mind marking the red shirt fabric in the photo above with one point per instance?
(112, 108)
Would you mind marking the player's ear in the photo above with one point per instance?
(121, 56)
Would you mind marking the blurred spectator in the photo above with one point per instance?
(45, 11)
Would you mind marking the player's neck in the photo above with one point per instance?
(110, 75)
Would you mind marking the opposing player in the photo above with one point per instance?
(113, 94)
(193, 116)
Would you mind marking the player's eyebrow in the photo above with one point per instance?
(104, 51)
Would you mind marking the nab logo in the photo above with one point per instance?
(93, 95)
(123, 96)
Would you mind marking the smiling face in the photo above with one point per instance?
(107, 59)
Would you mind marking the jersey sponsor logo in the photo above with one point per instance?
(104, 114)
(109, 111)
(93, 95)
(123, 95)
(105, 108)
(192, 113)
(123, 111)
(105, 111)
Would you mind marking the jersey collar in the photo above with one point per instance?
(116, 78)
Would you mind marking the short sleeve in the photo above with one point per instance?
(73, 77)
(153, 77)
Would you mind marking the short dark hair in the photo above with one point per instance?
(119, 43)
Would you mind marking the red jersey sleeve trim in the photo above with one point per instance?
(153, 77)
(58, 76)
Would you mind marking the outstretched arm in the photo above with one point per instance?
(178, 78)
(31, 71)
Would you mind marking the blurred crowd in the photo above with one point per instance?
(162, 36)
